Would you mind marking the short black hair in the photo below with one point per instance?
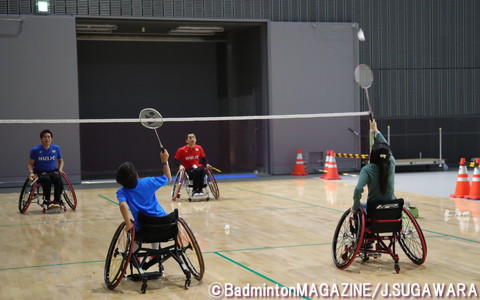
(45, 131)
(189, 133)
(127, 175)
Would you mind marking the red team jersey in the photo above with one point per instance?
(190, 156)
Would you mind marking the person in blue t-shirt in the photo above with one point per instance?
(139, 194)
(47, 163)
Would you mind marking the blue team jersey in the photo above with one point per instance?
(142, 197)
(45, 160)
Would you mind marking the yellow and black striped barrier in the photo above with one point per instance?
(350, 155)
(344, 174)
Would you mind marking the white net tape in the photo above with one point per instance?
(200, 119)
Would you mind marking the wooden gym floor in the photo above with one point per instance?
(280, 233)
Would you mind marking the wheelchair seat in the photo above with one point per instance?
(384, 215)
(157, 229)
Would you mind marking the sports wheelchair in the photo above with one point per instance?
(128, 248)
(32, 191)
(385, 223)
(182, 179)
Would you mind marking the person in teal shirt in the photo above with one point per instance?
(378, 175)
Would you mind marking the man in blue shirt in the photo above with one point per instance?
(139, 194)
(43, 162)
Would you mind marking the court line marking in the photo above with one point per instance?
(264, 194)
(314, 205)
(109, 200)
(256, 273)
(337, 210)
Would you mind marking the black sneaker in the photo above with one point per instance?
(367, 246)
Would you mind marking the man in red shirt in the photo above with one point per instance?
(192, 158)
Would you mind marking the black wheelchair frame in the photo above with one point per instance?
(385, 223)
(127, 248)
(32, 189)
(181, 179)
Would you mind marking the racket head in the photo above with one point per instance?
(363, 76)
(150, 118)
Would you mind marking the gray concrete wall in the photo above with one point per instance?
(311, 69)
(38, 80)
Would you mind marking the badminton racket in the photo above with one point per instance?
(364, 77)
(215, 169)
(152, 119)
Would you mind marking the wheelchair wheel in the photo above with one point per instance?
(191, 253)
(411, 239)
(118, 256)
(27, 194)
(68, 193)
(212, 184)
(348, 238)
(177, 185)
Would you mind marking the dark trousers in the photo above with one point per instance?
(197, 175)
(46, 180)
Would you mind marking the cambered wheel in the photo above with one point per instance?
(177, 184)
(411, 239)
(118, 256)
(191, 253)
(347, 238)
(212, 184)
(27, 194)
(68, 193)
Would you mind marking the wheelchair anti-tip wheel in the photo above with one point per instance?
(68, 193)
(411, 239)
(27, 194)
(118, 256)
(212, 184)
(177, 184)
(191, 253)
(347, 238)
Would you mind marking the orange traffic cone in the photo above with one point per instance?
(327, 165)
(332, 173)
(475, 188)
(462, 189)
(299, 166)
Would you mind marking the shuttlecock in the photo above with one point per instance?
(361, 35)
(446, 215)
(227, 229)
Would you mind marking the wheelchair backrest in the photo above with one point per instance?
(157, 229)
(384, 215)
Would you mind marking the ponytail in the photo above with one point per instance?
(380, 156)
